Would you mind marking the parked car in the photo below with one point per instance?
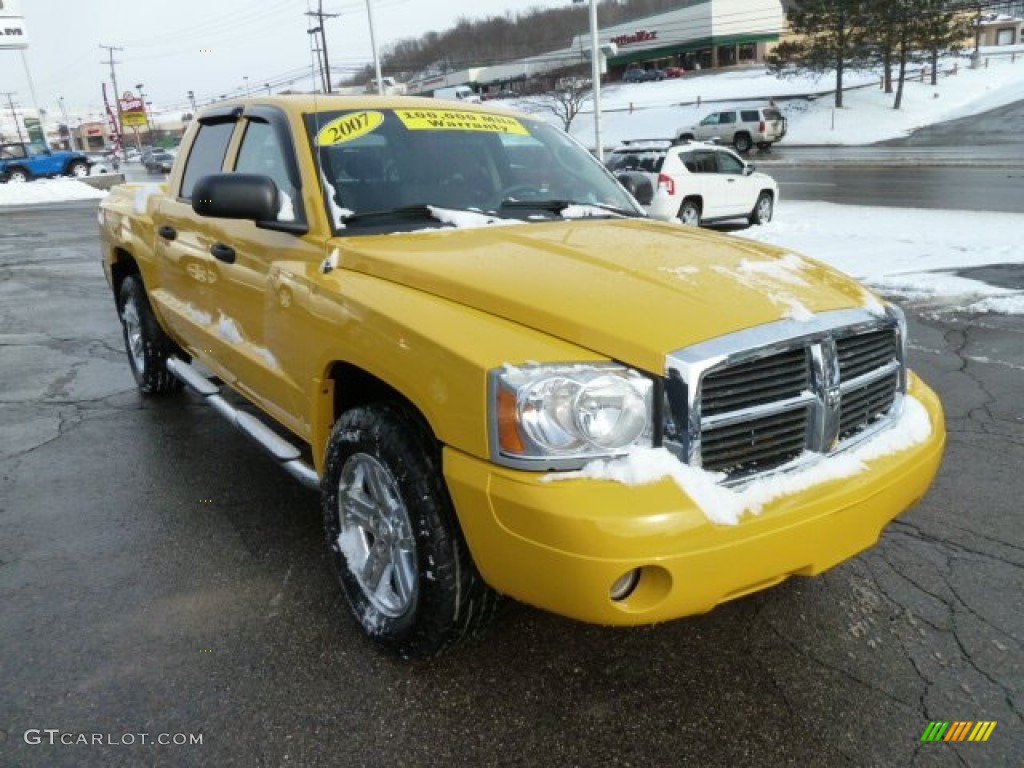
(500, 375)
(743, 128)
(696, 183)
(674, 71)
(638, 75)
(159, 161)
(22, 161)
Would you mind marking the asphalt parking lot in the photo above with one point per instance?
(159, 576)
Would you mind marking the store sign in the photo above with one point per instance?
(641, 36)
(133, 111)
(13, 33)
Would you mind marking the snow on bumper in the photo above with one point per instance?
(562, 545)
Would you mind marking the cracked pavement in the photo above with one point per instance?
(158, 574)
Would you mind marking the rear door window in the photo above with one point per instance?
(704, 162)
(749, 116)
(206, 155)
(728, 163)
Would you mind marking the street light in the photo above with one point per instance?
(595, 76)
(71, 134)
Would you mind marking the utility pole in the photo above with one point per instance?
(10, 102)
(373, 45)
(117, 94)
(320, 15)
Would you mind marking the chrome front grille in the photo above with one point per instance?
(755, 400)
(756, 382)
(756, 445)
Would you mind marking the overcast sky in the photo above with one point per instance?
(209, 47)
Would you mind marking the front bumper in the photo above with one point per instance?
(561, 545)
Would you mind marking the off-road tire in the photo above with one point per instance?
(147, 345)
(384, 449)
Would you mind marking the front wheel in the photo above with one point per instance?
(147, 345)
(78, 169)
(763, 209)
(394, 538)
(689, 213)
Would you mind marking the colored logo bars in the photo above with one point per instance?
(961, 730)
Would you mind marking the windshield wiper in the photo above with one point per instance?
(419, 211)
(407, 211)
(557, 206)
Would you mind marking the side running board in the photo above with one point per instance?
(286, 454)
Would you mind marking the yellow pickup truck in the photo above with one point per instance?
(501, 376)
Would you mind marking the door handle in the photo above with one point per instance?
(223, 253)
(167, 232)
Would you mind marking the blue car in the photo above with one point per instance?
(24, 162)
(638, 75)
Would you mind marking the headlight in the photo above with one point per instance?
(554, 416)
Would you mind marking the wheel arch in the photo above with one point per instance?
(346, 385)
(122, 265)
(12, 168)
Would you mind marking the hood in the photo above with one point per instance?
(628, 289)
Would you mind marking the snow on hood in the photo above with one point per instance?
(469, 219)
(629, 289)
(727, 506)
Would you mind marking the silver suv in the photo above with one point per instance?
(743, 128)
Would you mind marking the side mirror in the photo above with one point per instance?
(748, 168)
(236, 196)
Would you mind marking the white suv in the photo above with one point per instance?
(694, 182)
(743, 128)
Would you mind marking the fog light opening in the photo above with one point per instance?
(624, 585)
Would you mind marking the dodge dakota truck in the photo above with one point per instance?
(501, 377)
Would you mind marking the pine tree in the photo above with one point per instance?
(831, 35)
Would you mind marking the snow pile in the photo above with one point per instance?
(659, 110)
(48, 191)
(1000, 305)
(286, 211)
(142, 194)
(906, 252)
(468, 219)
(726, 506)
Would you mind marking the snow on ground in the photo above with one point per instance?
(658, 110)
(906, 252)
(47, 191)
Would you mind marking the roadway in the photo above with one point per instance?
(159, 575)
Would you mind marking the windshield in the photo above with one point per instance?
(376, 161)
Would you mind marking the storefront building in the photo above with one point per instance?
(702, 34)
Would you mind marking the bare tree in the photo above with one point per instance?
(566, 100)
